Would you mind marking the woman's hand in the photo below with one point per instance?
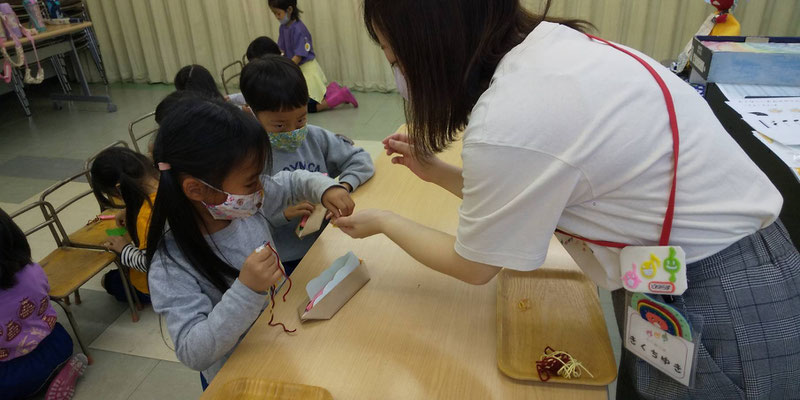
(261, 270)
(400, 144)
(116, 243)
(338, 202)
(364, 223)
(298, 210)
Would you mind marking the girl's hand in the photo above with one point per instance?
(116, 243)
(364, 223)
(338, 202)
(260, 271)
(298, 210)
(400, 144)
(120, 217)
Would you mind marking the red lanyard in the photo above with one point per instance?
(673, 124)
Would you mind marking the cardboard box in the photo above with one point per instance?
(333, 288)
(748, 60)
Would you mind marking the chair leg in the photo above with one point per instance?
(66, 300)
(74, 326)
(77, 297)
(127, 286)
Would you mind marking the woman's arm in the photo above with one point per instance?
(433, 248)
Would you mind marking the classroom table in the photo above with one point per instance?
(409, 333)
(54, 32)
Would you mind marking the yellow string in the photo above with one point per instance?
(568, 370)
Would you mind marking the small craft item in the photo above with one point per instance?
(311, 223)
(662, 315)
(524, 305)
(274, 289)
(559, 363)
(105, 217)
(116, 232)
(328, 292)
(654, 269)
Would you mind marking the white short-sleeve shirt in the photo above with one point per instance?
(575, 134)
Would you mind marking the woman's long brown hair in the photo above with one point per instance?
(448, 51)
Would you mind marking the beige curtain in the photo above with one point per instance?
(149, 40)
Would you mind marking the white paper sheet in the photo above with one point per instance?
(733, 91)
(776, 117)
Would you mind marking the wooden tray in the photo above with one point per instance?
(564, 314)
(264, 389)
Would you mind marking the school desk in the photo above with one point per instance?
(64, 47)
(409, 333)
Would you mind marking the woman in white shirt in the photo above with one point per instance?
(562, 131)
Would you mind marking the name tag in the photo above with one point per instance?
(653, 269)
(661, 336)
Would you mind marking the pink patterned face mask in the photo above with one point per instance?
(236, 206)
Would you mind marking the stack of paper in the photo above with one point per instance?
(776, 122)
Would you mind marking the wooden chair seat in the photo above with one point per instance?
(92, 235)
(68, 268)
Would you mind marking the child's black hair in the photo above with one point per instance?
(204, 139)
(260, 47)
(273, 83)
(128, 169)
(168, 103)
(199, 79)
(284, 5)
(15, 252)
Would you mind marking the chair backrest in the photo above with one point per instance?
(88, 166)
(50, 220)
(232, 76)
(136, 137)
(53, 210)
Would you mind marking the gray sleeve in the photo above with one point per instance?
(202, 333)
(350, 163)
(237, 99)
(291, 187)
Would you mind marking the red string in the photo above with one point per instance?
(272, 293)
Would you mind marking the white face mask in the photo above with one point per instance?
(236, 206)
(400, 81)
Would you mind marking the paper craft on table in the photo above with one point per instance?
(329, 291)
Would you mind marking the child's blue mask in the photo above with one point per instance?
(285, 19)
(288, 141)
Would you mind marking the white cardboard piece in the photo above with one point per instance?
(334, 287)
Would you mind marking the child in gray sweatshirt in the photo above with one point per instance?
(276, 91)
(209, 218)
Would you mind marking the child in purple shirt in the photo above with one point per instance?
(295, 42)
(33, 346)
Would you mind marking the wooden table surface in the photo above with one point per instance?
(410, 333)
(51, 32)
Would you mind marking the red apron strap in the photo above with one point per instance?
(673, 124)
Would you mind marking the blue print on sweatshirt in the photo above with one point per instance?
(311, 167)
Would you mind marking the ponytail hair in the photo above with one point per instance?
(204, 139)
(128, 169)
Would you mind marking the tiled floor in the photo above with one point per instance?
(133, 360)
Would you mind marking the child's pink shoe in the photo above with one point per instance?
(338, 96)
(63, 386)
